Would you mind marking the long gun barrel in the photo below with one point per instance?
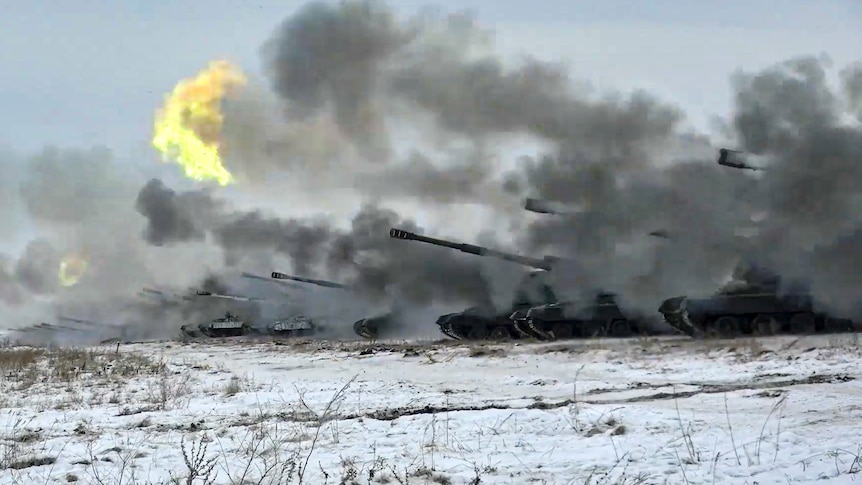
(545, 263)
(547, 207)
(328, 284)
(85, 322)
(269, 280)
(662, 233)
(51, 327)
(227, 297)
(162, 295)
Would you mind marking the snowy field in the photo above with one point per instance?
(780, 410)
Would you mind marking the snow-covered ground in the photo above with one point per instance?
(780, 410)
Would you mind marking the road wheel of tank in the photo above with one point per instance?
(766, 325)
(590, 329)
(499, 333)
(803, 323)
(478, 332)
(562, 331)
(619, 328)
(724, 327)
(837, 325)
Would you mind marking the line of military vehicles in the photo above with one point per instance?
(754, 303)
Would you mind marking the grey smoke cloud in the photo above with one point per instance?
(787, 114)
(302, 241)
(790, 114)
(852, 78)
(363, 257)
(352, 79)
(82, 202)
(626, 162)
(72, 186)
(331, 56)
(173, 217)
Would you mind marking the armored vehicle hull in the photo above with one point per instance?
(570, 320)
(479, 324)
(734, 315)
(296, 326)
(374, 327)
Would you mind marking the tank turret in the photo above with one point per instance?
(229, 325)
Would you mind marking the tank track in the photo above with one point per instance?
(577, 329)
(519, 327)
(469, 327)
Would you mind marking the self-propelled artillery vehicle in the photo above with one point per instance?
(369, 327)
(554, 320)
(754, 302)
(536, 312)
(757, 301)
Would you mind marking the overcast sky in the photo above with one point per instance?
(81, 72)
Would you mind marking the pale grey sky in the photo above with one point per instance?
(80, 72)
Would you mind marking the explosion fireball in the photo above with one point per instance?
(188, 126)
(72, 268)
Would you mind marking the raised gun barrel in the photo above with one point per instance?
(51, 327)
(662, 233)
(545, 263)
(64, 318)
(227, 296)
(547, 207)
(162, 295)
(328, 284)
(726, 157)
(252, 276)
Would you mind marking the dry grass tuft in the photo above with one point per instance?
(26, 366)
